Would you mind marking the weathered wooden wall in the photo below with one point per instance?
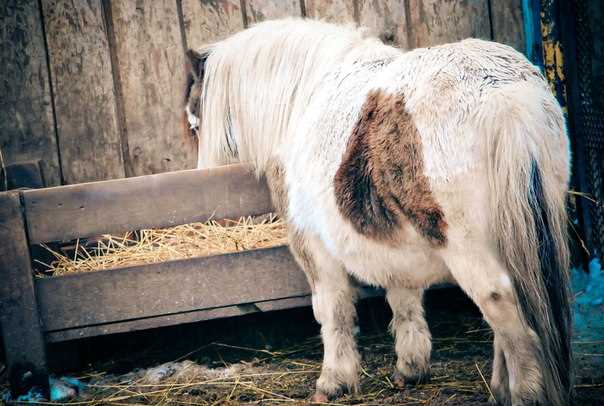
(94, 88)
(27, 126)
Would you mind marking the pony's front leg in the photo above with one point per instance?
(333, 303)
(333, 306)
(413, 342)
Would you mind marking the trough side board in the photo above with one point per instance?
(169, 288)
(163, 200)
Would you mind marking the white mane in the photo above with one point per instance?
(258, 82)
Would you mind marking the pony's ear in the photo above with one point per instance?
(197, 62)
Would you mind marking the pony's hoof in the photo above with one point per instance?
(400, 381)
(319, 397)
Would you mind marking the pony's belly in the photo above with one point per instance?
(411, 266)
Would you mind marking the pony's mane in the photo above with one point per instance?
(258, 82)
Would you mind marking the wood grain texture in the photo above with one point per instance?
(193, 316)
(85, 106)
(260, 10)
(508, 25)
(19, 318)
(434, 22)
(26, 121)
(207, 21)
(169, 288)
(150, 63)
(387, 19)
(174, 319)
(161, 200)
(335, 11)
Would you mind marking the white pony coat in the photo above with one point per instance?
(445, 103)
(495, 154)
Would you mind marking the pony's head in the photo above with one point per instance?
(195, 72)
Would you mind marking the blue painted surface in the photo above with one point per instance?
(61, 390)
(531, 11)
(588, 309)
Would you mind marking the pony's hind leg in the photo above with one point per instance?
(333, 303)
(413, 342)
(486, 281)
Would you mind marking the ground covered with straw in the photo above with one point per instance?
(275, 358)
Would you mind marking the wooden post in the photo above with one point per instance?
(19, 318)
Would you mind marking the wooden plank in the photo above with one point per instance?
(85, 108)
(168, 288)
(434, 22)
(67, 212)
(387, 19)
(508, 27)
(174, 319)
(24, 175)
(189, 317)
(27, 129)
(150, 65)
(21, 330)
(335, 11)
(207, 21)
(260, 10)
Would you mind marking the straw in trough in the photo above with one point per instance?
(159, 245)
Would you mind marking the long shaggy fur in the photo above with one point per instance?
(289, 94)
(525, 162)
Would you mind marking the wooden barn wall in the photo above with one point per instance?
(94, 88)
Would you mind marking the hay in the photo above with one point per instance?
(288, 375)
(160, 245)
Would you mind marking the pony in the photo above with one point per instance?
(403, 169)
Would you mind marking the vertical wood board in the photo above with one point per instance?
(27, 130)
(19, 318)
(434, 22)
(335, 11)
(387, 19)
(85, 105)
(207, 21)
(150, 60)
(260, 10)
(507, 23)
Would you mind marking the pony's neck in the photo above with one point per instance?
(260, 81)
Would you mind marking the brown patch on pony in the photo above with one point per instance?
(275, 179)
(303, 256)
(381, 176)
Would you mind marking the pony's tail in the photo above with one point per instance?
(528, 169)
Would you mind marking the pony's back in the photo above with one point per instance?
(277, 67)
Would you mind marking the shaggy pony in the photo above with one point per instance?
(402, 169)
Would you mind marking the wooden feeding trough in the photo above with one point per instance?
(37, 311)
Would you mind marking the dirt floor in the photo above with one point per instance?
(275, 358)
